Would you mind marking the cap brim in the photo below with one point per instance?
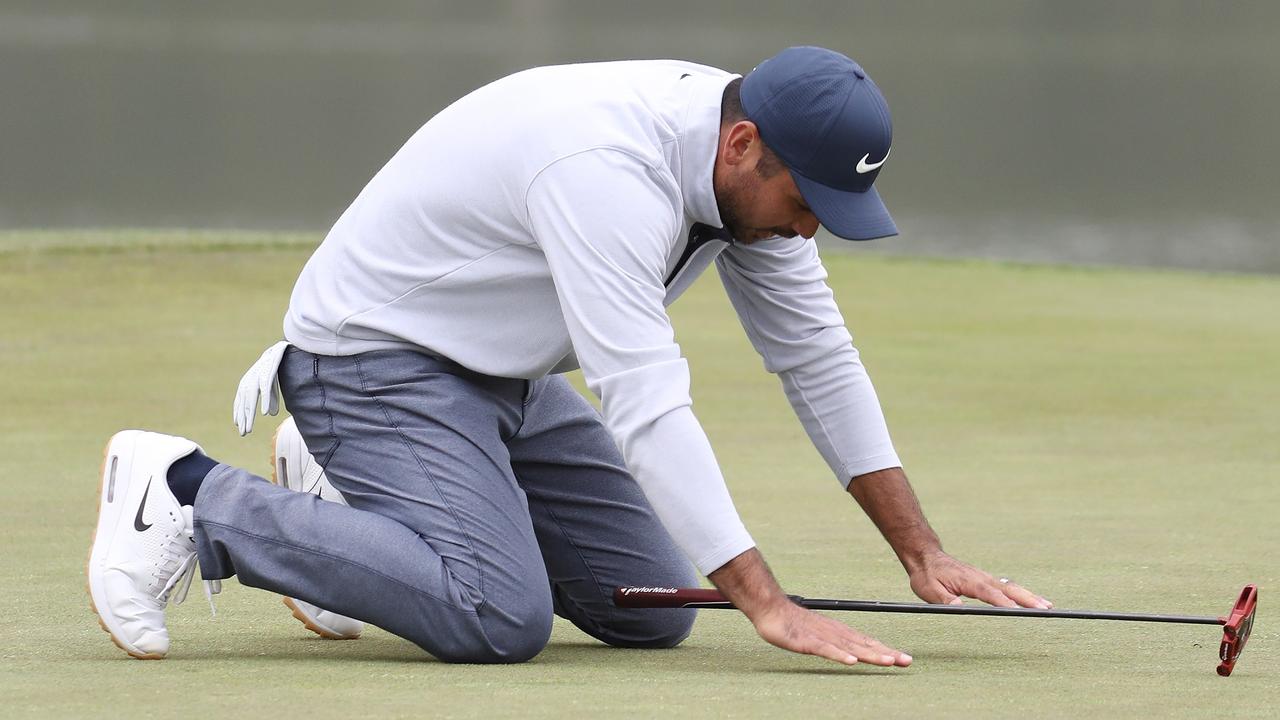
(849, 215)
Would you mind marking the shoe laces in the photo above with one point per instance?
(178, 561)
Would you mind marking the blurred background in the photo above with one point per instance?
(1141, 132)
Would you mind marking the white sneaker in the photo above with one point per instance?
(143, 548)
(293, 467)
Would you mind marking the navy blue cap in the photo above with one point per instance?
(829, 124)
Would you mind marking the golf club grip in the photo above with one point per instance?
(660, 597)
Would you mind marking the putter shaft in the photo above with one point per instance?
(712, 599)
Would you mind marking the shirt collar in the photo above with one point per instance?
(698, 145)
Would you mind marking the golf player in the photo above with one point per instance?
(540, 224)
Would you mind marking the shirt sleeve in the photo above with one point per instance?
(778, 288)
(605, 221)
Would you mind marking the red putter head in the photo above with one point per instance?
(1236, 628)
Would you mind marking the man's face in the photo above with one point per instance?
(756, 195)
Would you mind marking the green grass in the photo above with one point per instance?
(1105, 437)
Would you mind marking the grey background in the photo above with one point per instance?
(1137, 132)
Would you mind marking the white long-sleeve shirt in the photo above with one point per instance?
(540, 224)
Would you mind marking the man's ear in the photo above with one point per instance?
(740, 142)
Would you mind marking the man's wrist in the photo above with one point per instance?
(749, 584)
(916, 559)
(887, 498)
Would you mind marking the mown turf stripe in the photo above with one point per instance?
(17, 242)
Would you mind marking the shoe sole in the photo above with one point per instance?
(307, 621)
(311, 625)
(88, 564)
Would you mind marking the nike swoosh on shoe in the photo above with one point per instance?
(137, 521)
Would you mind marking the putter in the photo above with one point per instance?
(1236, 626)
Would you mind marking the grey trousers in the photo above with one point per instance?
(479, 506)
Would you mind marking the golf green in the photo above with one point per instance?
(1106, 437)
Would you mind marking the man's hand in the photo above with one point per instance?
(940, 578)
(794, 628)
(747, 582)
(887, 498)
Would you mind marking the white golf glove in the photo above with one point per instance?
(259, 384)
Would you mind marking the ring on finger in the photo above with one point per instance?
(1003, 581)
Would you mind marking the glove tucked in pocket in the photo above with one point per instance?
(259, 385)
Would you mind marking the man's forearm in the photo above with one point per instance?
(887, 498)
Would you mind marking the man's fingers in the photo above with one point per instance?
(993, 593)
(943, 596)
(1025, 597)
(831, 651)
(939, 594)
(883, 654)
(867, 654)
(877, 654)
(811, 638)
(928, 589)
(867, 649)
(947, 580)
(807, 632)
(1006, 593)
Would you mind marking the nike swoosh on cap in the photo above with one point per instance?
(137, 521)
(866, 167)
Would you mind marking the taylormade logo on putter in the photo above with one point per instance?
(662, 590)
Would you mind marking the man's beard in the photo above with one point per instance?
(737, 198)
(730, 208)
